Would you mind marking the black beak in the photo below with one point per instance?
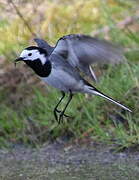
(18, 59)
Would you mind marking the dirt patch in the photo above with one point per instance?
(59, 161)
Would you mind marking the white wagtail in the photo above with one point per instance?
(82, 51)
(54, 69)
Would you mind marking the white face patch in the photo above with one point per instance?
(33, 55)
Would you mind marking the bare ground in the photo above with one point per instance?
(64, 162)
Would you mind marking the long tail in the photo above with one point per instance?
(92, 90)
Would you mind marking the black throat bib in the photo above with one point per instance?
(40, 69)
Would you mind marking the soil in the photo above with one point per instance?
(60, 161)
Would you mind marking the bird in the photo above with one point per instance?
(81, 51)
(55, 70)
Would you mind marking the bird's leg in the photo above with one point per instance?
(62, 113)
(58, 111)
(55, 109)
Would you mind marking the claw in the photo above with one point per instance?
(58, 111)
(56, 117)
(60, 116)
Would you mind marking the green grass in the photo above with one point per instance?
(32, 121)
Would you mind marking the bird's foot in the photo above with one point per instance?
(61, 112)
(61, 115)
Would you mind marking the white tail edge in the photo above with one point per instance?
(110, 99)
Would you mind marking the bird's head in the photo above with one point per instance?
(36, 58)
(33, 53)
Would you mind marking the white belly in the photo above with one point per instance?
(63, 81)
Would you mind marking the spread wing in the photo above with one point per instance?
(81, 51)
(89, 50)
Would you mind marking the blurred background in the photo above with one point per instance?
(26, 104)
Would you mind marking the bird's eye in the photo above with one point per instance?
(29, 54)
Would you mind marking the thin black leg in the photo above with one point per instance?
(55, 109)
(62, 113)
